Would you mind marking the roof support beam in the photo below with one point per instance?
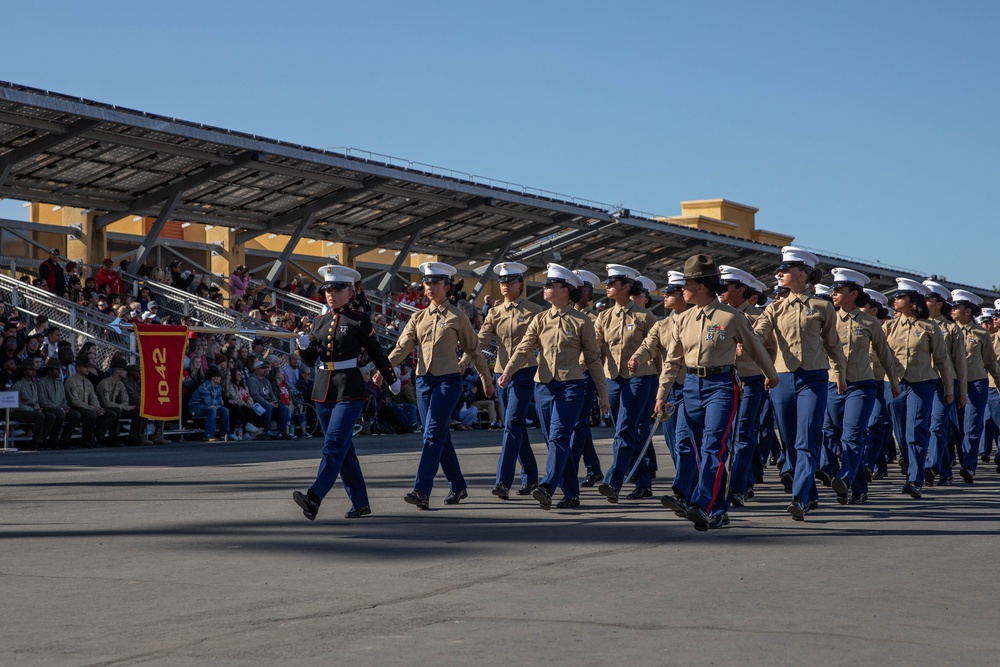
(404, 252)
(293, 240)
(488, 273)
(275, 225)
(41, 145)
(178, 188)
(142, 252)
(421, 224)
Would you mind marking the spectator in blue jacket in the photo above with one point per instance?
(206, 401)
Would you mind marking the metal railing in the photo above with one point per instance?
(78, 324)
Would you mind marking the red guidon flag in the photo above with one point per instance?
(161, 361)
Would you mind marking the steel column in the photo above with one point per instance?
(142, 252)
(404, 252)
(286, 252)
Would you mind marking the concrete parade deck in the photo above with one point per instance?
(195, 554)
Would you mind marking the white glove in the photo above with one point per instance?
(395, 386)
(303, 341)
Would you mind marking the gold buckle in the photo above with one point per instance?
(701, 371)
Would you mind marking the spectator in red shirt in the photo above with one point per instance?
(52, 274)
(108, 276)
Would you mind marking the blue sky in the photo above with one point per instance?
(866, 129)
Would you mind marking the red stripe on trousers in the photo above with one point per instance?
(722, 448)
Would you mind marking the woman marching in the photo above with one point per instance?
(438, 330)
(336, 341)
(849, 411)
(981, 362)
(879, 435)
(509, 321)
(805, 330)
(583, 439)
(562, 334)
(620, 331)
(918, 344)
(704, 341)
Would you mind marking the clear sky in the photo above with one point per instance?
(866, 129)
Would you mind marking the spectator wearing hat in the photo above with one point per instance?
(52, 274)
(30, 412)
(114, 398)
(207, 402)
(107, 276)
(133, 387)
(81, 396)
(919, 345)
(260, 391)
(152, 314)
(52, 398)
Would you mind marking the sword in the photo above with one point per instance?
(118, 326)
(659, 419)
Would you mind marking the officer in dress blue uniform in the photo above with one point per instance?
(439, 330)
(335, 342)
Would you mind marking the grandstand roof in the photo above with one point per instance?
(74, 152)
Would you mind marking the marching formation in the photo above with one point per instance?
(823, 382)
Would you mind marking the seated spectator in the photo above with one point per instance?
(292, 369)
(260, 391)
(52, 398)
(8, 373)
(207, 402)
(41, 325)
(108, 278)
(113, 396)
(81, 396)
(305, 384)
(237, 399)
(33, 351)
(133, 386)
(30, 412)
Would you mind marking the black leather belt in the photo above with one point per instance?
(705, 371)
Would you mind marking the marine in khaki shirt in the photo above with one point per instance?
(745, 366)
(654, 346)
(508, 322)
(804, 328)
(862, 337)
(620, 330)
(995, 338)
(562, 334)
(954, 343)
(918, 345)
(80, 394)
(438, 331)
(707, 336)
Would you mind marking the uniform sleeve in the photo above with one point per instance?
(960, 363)
(592, 357)
(754, 348)
(890, 364)
(764, 326)
(470, 346)
(674, 363)
(651, 344)
(406, 342)
(520, 356)
(102, 394)
(602, 344)
(45, 395)
(486, 333)
(942, 361)
(369, 341)
(990, 360)
(832, 343)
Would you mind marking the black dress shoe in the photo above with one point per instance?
(526, 489)
(592, 479)
(858, 499)
(796, 509)
(967, 476)
(609, 492)
(639, 494)
(418, 498)
(824, 477)
(750, 493)
(675, 503)
(698, 517)
(812, 506)
(984, 457)
(786, 481)
(739, 500)
(568, 503)
(358, 512)
(309, 506)
(717, 521)
(501, 492)
(944, 481)
(911, 490)
(878, 475)
(455, 496)
(840, 487)
(542, 495)
(929, 476)
(869, 473)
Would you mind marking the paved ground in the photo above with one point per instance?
(195, 554)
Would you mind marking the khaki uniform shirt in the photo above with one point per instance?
(996, 349)
(438, 331)
(620, 332)
(980, 356)
(708, 337)
(805, 331)
(863, 338)
(655, 345)
(562, 336)
(80, 393)
(919, 346)
(52, 394)
(954, 343)
(745, 367)
(508, 322)
(27, 394)
(112, 393)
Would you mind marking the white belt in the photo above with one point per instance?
(338, 365)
